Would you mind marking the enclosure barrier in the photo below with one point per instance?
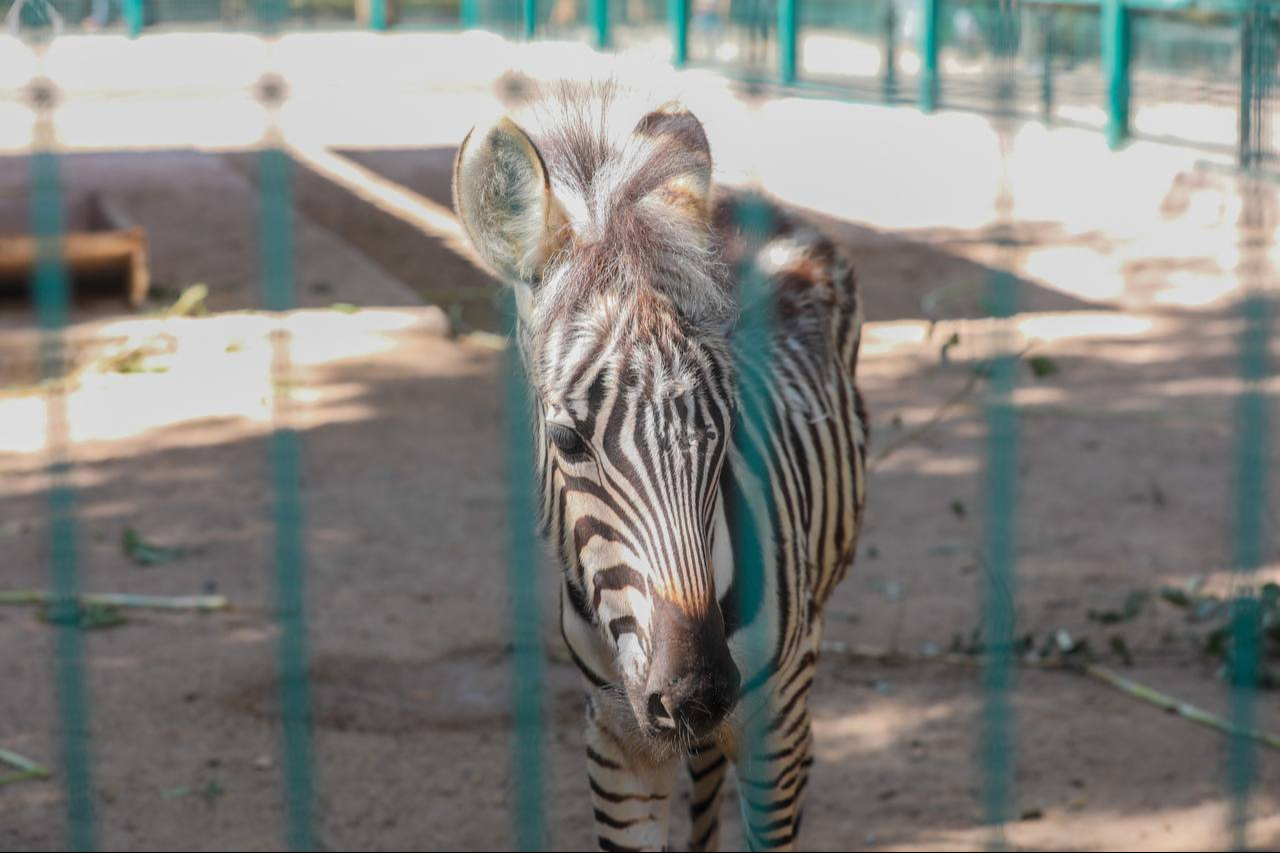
(1257, 21)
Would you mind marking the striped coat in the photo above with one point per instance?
(669, 469)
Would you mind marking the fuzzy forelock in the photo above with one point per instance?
(628, 243)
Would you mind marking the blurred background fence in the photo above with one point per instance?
(1200, 74)
(1119, 66)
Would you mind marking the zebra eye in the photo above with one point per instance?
(567, 441)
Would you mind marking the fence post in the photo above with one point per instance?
(787, 42)
(928, 55)
(889, 76)
(1116, 43)
(377, 14)
(1046, 67)
(52, 297)
(530, 18)
(601, 8)
(469, 14)
(525, 569)
(678, 11)
(284, 452)
(131, 11)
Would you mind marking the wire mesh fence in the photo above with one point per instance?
(1192, 73)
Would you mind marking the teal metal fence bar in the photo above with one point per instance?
(678, 13)
(787, 42)
(525, 568)
(52, 302)
(1250, 523)
(751, 431)
(600, 17)
(1116, 53)
(377, 14)
(999, 589)
(1252, 451)
(929, 54)
(529, 17)
(1000, 481)
(290, 551)
(469, 13)
(133, 13)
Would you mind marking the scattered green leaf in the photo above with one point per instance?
(1121, 649)
(1133, 604)
(87, 617)
(146, 553)
(1042, 366)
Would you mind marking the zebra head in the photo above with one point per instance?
(625, 311)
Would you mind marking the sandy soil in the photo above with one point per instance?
(1125, 483)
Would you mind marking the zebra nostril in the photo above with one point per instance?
(660, 713)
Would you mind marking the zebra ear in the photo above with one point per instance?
(685, 155)
(502, 193)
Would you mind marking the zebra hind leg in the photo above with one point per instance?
(707, 767)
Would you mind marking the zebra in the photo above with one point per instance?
(625, 264)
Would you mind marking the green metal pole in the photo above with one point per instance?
(787, 38)
(285, 455)
(1000, 481)
(889, 78)
(1046, 68)
(750, 543)
(678, 11)
(1250, 538)
(131, 11)
(377, 14)
(601, 8)
(525, 570)
(469, 13)
(1116, 46)
(530, 19)
(928, 55)
(52, 301)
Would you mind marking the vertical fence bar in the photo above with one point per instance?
(929, 55)
(678, 12)
(788, 38)
(525, 570)
(751, 430)
(377, 14)
(52, 299)
(999, 591)
(601, 15)
(1116, 48)
(276, 235)
(1250, 521)
(1252, 422)
(132, 12)
(889, 72)
(469, 14)
(529, 18)
(1000, 484)
(1046, 64)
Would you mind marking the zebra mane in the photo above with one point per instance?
(641, 236)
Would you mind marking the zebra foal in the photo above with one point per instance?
(625, 267)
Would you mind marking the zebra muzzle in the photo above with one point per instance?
(692, 682)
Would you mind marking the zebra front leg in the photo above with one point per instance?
(707, 767)
(772, 780)
(631, 795)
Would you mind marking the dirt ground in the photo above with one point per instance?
(1125, 484)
